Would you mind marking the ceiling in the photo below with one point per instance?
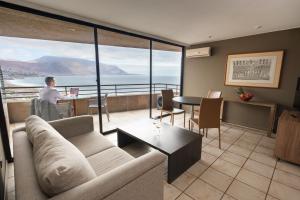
(187, 21)
(26, 25)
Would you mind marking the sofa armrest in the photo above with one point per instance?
(147, 169)
(74, 126)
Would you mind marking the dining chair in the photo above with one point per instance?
(211, 94)
(167, 106)
(214, 94)
(208, 117)
(93, 103)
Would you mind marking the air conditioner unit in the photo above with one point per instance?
(199, 52)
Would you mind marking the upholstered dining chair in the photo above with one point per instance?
(208, 117)
(211, 94)
(214, 94)
(93, 104)
(167, 106)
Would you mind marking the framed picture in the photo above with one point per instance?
(254, 69)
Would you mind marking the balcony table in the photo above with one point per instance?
(187, 100)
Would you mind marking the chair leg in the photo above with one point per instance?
(206, 132)
(184, 119)
(189, 125)
(219, 138)
(173, 120)
(161, 115)
(107, 113)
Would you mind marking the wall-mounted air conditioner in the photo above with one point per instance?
(199, 52)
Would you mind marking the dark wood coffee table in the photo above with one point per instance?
(182, 147)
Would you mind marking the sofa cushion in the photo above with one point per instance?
(59, 165)
(91, 143)
(109, 159)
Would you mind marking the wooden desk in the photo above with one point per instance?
(272, 106)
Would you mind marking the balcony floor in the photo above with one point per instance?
(244, 168)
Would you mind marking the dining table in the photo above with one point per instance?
(188, 100)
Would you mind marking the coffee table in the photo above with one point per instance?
(182, 146)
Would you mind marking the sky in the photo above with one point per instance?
(132, 60)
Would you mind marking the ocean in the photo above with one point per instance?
(105, 80)
(91, 80)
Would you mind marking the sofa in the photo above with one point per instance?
(119, 176)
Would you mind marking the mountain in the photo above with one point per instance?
(52, 65)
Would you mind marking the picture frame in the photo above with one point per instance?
(254, 69)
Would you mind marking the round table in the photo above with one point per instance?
(186, 100)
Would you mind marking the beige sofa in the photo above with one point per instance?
(119, 175)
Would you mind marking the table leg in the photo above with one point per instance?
(271, 119)
(192, 112)
(74, 107)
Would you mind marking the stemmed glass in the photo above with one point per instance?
(157, 125)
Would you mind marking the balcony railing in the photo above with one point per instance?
(91, 90)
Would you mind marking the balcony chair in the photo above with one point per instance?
(209, 116)
(93, 104)
(49, 111)
(167, 106)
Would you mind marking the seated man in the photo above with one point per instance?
(50, 93)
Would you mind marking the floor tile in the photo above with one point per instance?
(245, 144)
(184, 180)
(271, 198)
(283, 192)
(257, 181)
(235, 130)
(288, 167)
(233, 158)
(213, 150)
(239, 150)
(242, 191)
(217, 179)
(197, 169)
(184, 197)
(200, 190)
(170, 192)
(226, 167)
(264, 150)
(259, 168)
(266, 144)
(265, 159)
(286, 178)
(207, 159)
(215, 143)
(207, 140)
(228, 197)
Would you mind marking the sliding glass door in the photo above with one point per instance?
(124, 77)
(166, 72)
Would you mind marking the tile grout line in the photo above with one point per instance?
(271, 180)
(197, 177)
(182, 191)
(241, 169)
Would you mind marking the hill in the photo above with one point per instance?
(51, 65)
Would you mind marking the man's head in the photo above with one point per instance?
(50, 81)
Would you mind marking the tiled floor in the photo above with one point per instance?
(243, 169)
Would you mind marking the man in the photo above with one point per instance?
(50, 93)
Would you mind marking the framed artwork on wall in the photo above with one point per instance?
(254, 69)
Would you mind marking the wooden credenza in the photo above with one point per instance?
(288, 137)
